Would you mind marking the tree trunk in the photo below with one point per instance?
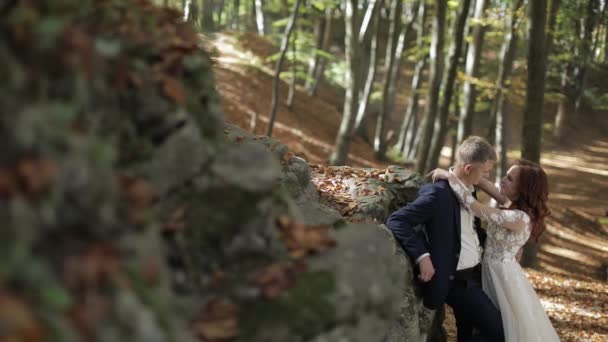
(595, 54)
(441, 123)
(507, 55)
(259, 17)
(580, 74)
(371, 75)
(435, 74)
(406, 135)
(552, 21)
(535, 92)
(329, 13)
(191, 11)
(566, 104)
(605, 60)
(390, 83)
(411, 112)
(220, 13)
(393, 36)
(340, 153)
(277, 73)
(292, 83)
(207, 23)
(573, 78)
(393, 31)
(235, 14)
(313, 63)
(465, 123)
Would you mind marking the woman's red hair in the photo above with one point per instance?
(533, 189)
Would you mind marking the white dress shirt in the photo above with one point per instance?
(470, 250)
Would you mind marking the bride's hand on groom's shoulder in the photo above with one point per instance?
(438, 174)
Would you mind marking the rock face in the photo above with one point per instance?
(131, 212)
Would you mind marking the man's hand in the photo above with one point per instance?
(426, 269)
(438, 174)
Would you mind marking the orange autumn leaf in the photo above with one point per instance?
(36, 175)
(8, 184)
(174, 90)
(139, 195)
(18, 321)
(217, 321)
(275, 278)
(303, 240)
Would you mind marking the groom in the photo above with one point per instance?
(448, 250)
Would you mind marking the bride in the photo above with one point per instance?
(523, 194)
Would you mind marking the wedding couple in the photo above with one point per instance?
(490, 295)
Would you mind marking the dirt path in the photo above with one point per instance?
(571, 278)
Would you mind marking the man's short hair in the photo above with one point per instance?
(475, 149)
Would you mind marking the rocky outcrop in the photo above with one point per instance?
(131, 212)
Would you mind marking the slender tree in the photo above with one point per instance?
(465, 123)
(409, 124)
(191, 11)
(371, 75)
(259, 16)
(340, 153)
(441, 122)
(591, 17)
(535, 92)
(236, 4)
(314, 61)
(552, 22)
(435, 74)
(292, 81)
(319, 69)
(393, 36)
(277, 75)
(391, 79)
(507, 56)
(207, 23)
(574, 74)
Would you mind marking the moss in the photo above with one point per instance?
(305, 309)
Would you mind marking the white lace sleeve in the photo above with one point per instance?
(510, 219)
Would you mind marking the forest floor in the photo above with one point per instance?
(571, 279)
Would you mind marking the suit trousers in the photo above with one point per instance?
(473, 309)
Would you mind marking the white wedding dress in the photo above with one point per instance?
(503, 280)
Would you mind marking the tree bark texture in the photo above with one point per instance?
(441, 122)
(435, 75)
(467, 112)
(277, 79)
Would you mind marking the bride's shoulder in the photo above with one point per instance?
(518, 214)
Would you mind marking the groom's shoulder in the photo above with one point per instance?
(440, 187)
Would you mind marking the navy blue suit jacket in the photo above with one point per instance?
(438, 210)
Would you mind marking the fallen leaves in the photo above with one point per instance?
(217, 321)
(173, 89)
(303, 240)
(28, 176)
(277, 277)
(139, 195)
(95, 266)
(18, 322)
(337, 185)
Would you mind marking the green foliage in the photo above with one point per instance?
(394, 155)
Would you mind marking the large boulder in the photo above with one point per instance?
(131, 212)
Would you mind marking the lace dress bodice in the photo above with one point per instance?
(508, 229)
(503, 244)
